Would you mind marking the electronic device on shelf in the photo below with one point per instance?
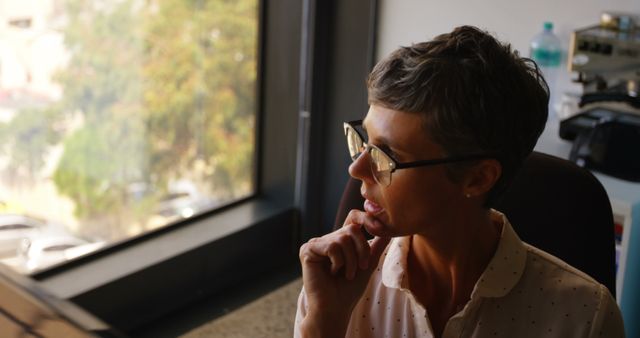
(606, 128)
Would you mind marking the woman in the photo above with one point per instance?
(450, 122)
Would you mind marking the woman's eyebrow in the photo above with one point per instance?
(379, 138)
(382, 140)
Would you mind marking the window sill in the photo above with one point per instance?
(130, 284)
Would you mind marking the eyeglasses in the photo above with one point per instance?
(382, 164)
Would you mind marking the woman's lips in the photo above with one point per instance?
(372, 208)
(376, 228)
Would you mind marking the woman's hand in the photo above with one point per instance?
(336, 269)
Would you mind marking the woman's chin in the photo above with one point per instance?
(381, 228)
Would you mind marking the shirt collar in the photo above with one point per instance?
(501, 274)
(507, 265)
(394, 266)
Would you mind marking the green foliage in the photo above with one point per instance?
(200, 92)
(26, 139)
(164, 89)
(99, 163)
(102, 85)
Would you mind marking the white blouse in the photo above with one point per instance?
(523, 292)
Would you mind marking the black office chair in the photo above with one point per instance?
(554, 205)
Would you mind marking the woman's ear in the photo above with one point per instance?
(482, 177)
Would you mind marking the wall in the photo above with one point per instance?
(402, 22)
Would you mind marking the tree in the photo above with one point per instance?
(26, 140)
(201, 74)
(164, 89)
(154, 91)
(102, 88)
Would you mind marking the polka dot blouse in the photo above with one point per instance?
(523, 292)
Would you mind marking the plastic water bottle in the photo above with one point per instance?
(546, 51)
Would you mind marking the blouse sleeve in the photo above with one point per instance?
(608, 321)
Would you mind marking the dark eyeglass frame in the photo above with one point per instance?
(395, 164)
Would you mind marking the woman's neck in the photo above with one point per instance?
(445, 263)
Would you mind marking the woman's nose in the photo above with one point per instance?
(360, 168)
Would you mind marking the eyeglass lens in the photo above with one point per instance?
(356, 144)
(380, 163)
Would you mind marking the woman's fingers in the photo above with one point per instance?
(350, 255)
(360, 217)
(361, 244)
(334, 253)
(369, 222)
(345, 248)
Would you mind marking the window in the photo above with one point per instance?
(138, 281)
(119, 117)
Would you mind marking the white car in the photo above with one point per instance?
(46, 251)
(15, 228)
(180, 205)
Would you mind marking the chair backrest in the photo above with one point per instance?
(553, 205)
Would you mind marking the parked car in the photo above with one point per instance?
(179, 205)
(46, 251)
(15, 228)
